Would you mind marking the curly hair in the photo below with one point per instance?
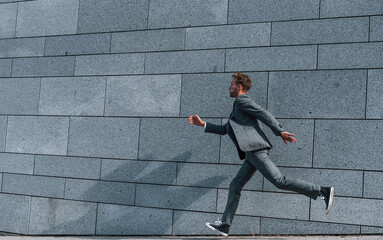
(243, 79)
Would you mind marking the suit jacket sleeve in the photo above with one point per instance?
(214, 128)
(254, 110)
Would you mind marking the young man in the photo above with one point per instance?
(243, 127)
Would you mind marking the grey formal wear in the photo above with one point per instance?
(245, 130)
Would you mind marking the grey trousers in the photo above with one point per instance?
(259, 160)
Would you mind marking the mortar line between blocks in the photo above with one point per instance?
(78, 15)
(29, 215)
(363, 180)
(312, 149)
(6, 133)
(17, 13)
(267, 90)
(106, 90)
(147, 20)
(320, 3)
(67, 143)
(39, 97)
(95, 225)
(228, 11)
(369, 28)
(366, 97)
(181, 87)
(139, 139)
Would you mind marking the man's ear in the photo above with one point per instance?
(239, 86)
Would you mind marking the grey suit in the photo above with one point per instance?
(252, 144)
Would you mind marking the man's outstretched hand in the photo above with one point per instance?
(288, 137)
(196, 120)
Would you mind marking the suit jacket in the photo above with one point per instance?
(244, 127)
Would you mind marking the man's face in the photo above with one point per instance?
(233, 90)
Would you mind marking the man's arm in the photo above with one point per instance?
(209, 127)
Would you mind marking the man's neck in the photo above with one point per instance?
(240, 93)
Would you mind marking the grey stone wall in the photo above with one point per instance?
(94, 96)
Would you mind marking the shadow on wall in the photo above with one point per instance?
(151, 214)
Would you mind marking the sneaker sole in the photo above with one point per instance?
(222, 233)
(331, 200)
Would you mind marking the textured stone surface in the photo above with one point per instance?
(22, 47)
(227, 36)
(16, 163)
(100, 191)
(342, 8)
(3, 128)
(174, 13)
(5, 67)
(77, 44)
(34, 185)
(343, 56)
(317, 94)
(47, 17)
(281, 226)
(68, 167)
(374, 94)
(113, 64)
(371, 230)
(104, 137)
(212, 175)
(350, 210)
(276, 205)
(143, 41)
(128, 220)
(269, 58)
(189, 223)
(373, 182)
(139, 171)
(175, 197)
(157, 95)
(14, 212)
(72, 96)
(346, 183)
(208, 94)
(376, 31)
(320, 31)
(176, 140)
(243, 11)
(115, 15)
(62, 217)
(19, 95)
(335, 145)
(40, 135)
(185, 62)
(8, 14)
(43, 66)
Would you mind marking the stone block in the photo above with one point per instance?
(346, 183)
(320, 31)
(243, 11)
(33, 185)
(100, 191)
(358, 211)
(189, 223)
(72, 167)
(8, 14)
(16, 163)
(374, 94)
(19, 95)
(212, 175)
(62, 217)
(227, 36)
(3, 130)
(5, 67)
(317, 94)
(148, 41)
(104, 137)
(14, 211)
(373, 182)
(376, 31)
(115, 15)
(174, 13)
(335, 145)
(129, 220)
(170, 139)
(47, 17)
(113, 64)
(139, 171)
(208, 96)
(77, 44)
(21, 47)
(278, 205)
(157, 95)
(269, 58)
(72, 96)
(43, 66)
(357, 55)
(175, 197)
(185, 62)
(371, 230)
(40, 135)
(272, 226)
(343, 8)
